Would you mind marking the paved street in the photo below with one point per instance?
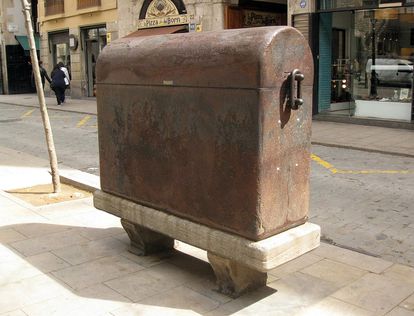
(363, 201)
(75, 135)
(370, 209)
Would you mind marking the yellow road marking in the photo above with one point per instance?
(83, 121)
(334, 170)
(324, 163)
(375, 171)
(28, 113)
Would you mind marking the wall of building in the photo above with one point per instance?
(72, 17)
(12, 23)
(210, 14)
(296, 7)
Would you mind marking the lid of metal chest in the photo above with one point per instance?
(242, 58)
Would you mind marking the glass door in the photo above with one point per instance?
(341, 73)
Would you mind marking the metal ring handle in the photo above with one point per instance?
(296, 101)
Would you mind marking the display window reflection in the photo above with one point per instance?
(372, 56)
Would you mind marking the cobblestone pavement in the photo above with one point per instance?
(372, 213)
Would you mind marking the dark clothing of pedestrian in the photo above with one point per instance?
(60, 94)
(44, 76)
(58, 84)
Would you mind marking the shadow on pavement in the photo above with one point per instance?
(93, 263)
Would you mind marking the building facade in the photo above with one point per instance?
(364, 53)
(16, 69)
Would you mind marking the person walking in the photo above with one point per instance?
(43, 75)
(66, 72)
(58, 84)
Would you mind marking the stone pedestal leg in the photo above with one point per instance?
(233, 278)
(145, 241)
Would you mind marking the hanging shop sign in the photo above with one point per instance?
(258, 18)
(159, 13)
(73, 42)
(164, 21)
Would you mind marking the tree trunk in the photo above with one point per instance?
(41, 97)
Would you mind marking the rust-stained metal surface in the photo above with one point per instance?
(199, 125)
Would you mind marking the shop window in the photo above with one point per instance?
(372, 54)
(83, 4)
(384, 62)
(54, 7)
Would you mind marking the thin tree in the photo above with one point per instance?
(41, 96)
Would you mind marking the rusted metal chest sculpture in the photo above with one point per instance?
(213, 127)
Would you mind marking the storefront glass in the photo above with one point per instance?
(371, 71)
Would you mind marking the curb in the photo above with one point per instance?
(371, 150)
(80, 179)
(52, 107)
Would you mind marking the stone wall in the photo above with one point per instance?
(78, 85)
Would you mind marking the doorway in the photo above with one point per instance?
(94, 42)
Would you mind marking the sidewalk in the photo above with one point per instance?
(71, 259)
(86, 106)
(368, 138)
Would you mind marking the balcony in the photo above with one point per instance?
(54, 7)
(83, 4)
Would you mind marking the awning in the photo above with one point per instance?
(24, 41)
(159, 31)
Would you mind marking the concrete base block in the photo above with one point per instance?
(240, 264)
(234, 278)
(145, 241)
